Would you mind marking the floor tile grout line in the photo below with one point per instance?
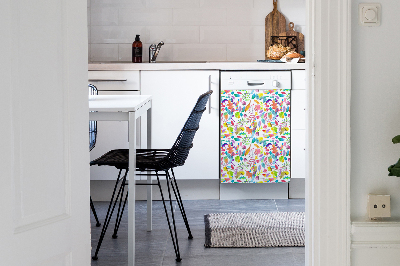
(276, 205)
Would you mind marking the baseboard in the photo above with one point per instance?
(297, 188)
(375, 234)
(375, 242)
(101, 190)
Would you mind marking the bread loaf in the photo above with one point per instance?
(293, 55)
(276, 51)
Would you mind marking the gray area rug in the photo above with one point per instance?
(239, 230)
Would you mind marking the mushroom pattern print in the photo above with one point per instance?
(255, 136)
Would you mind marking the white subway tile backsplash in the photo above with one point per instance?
(125, 52)
(104, 52)
(294, 10)
(226, 3)
(249, 52)
(119, 3)
(173, 34)
(192, 30)
(105, 16)
(214, 3)
(258, 35)
(224, 34)
(115, 34)
(89, 33)
(89, 52)
(265, 4)
(246, 17)
(199, 52)
(145, 17)
(199, 16)
(88, 16)
(300, 28)
(239, 4)
(172, 3)
(232, 35)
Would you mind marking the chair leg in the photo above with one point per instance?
(109, 212)
(94, 213)
(120, 211)
(174, 239)
(174, 185)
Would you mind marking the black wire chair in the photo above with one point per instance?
(149, 161)
(92, 143)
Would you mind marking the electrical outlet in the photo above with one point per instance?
(378, 206)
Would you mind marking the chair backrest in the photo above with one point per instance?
(92, 124)
(180, 150)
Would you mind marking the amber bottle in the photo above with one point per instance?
(137, 50)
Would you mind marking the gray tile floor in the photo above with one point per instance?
(155, 248)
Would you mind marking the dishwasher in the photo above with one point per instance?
(255, 126)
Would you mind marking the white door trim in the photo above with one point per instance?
(328, 141)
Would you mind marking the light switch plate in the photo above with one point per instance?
(378, 206)
(369, 14)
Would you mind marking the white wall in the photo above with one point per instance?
(375, 108)
(375, 120)
(193, 30)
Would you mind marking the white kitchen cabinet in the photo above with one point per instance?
(115, 80)
(298, 124)
(298, 109)
(174, 96)
(112, 134)
(298, 79)
(298, 153)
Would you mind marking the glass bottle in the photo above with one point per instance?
(137, 50)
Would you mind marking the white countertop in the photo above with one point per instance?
(117, 103)
(196, 66)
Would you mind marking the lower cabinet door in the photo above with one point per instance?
(174, 96)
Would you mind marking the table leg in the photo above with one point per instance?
(132, 190)
(149, 178)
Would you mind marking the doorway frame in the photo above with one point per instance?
(328, 223)
(328, 52)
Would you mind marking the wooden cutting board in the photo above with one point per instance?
(292, 32)
(275, 23)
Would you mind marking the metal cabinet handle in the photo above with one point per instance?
(254, 83)
(209, 99)
(99, 80)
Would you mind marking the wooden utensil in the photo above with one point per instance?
(275, 23)
(292, 32)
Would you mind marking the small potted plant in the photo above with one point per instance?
(394, 170)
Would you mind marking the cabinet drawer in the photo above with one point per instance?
(115, 80)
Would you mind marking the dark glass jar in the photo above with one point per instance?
(137, 50)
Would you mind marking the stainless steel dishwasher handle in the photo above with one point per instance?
(254, 83)
(209, 99)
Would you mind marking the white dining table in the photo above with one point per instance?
(127, 108)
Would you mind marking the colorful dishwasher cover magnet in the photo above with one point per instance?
(255, 136)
